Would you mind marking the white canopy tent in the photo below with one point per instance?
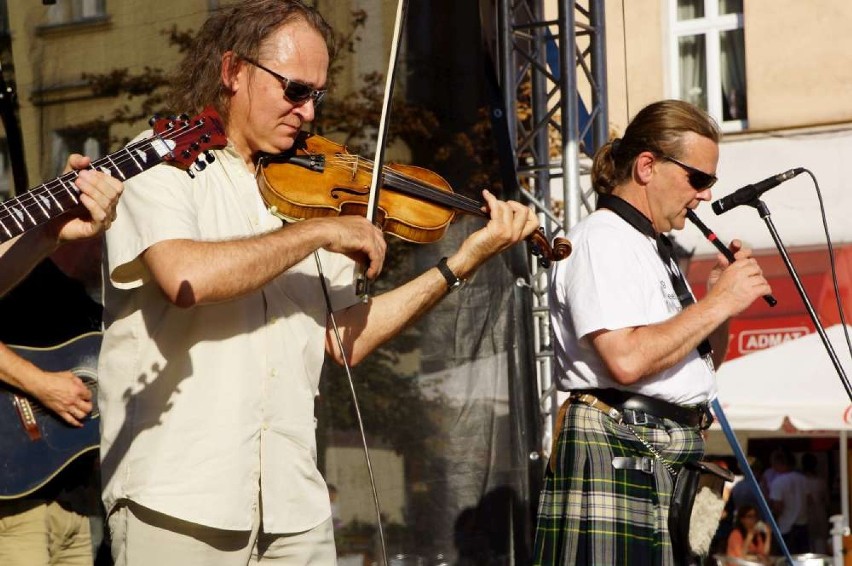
(794, 382)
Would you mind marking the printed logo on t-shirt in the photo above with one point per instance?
(672, 304)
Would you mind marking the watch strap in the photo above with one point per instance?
(453, 280)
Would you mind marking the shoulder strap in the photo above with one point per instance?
(665, 250)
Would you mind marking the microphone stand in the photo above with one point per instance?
(763, 210)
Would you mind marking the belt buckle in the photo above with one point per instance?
(639, 418)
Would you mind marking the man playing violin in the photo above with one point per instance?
(216, 320)
(633, 353)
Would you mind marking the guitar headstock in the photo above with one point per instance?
(187, 138)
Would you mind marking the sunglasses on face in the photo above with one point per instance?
(698, 179)
(294, 91)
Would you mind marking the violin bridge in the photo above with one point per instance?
(355, 167)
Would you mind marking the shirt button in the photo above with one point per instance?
(273, 372)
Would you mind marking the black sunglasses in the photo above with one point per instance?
(294, 91)
(698, 179)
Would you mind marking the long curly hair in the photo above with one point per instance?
(241, 28)
(658, 128)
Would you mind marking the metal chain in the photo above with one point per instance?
(653, 450)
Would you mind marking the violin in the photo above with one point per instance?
(319, 178)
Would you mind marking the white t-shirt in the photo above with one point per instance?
(615, 279)
(791, 489)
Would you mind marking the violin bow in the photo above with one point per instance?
(363, 286)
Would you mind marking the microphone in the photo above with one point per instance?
(749, 193)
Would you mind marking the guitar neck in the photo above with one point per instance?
(45, 202)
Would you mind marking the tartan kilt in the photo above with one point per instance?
(592, 513)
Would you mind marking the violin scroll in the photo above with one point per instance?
(546, 253)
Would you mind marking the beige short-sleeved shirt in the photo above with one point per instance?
(201, 406)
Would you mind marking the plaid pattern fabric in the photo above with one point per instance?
(592, 513)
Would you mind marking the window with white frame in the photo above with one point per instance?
(68, 11)
(89, 142)
(707, 58)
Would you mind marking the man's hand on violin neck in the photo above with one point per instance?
(357, 238)
(510, 223)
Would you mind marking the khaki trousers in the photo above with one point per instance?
(143, 537)
(41, 533)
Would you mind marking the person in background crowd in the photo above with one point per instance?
(788, 500)
(816, 492)
(743, 492)
(750, 538)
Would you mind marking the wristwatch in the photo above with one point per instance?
(454, 282)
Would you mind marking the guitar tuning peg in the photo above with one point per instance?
(183, 117)
(185, 154)
(153, 119)
(190, 173)
(209, 157)
(200, 164)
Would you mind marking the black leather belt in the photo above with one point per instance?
(641, 410)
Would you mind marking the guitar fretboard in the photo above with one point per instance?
(49, 200)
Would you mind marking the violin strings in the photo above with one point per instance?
(408, 185)
(63, 186)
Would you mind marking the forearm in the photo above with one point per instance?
(636, 353)
(61, 392)
(194, 272)
(366, 326)
(19, 373)
(22, 253)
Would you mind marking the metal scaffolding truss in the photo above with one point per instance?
(554, 73)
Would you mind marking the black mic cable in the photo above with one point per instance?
(833, 267)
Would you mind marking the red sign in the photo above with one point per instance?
(751, 340)
(760, 327)
(751, 335)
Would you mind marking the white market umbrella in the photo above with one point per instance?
(795, 380)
